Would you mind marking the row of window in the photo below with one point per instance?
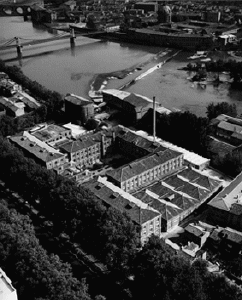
(151, 174)
(95, 149)
(152, 227)
(86, 152)
(55, 163)
(89, 160)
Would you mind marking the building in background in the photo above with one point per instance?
(133, 105)
(140, 213)
(226, 208)
(7, 291)
(78, 108)
(146, 170)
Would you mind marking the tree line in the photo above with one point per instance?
(51, 103)
(157, 272)
(34, 273)
(112, 237)
(233, 67)
(102, 231)
(186, 130)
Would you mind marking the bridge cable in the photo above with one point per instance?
(7, 43)
(53, 37)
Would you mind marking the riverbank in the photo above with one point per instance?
(124, 78)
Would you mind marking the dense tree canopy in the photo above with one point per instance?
(34, 273)
(214, 110)
(161, 274)
(104, 232)
(184, 129)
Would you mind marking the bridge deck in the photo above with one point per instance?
(46, 46)
(41, 41)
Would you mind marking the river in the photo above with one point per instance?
(93, 63)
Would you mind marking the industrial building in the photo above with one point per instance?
(146, 170)
(179, 40)
(78, 108)
(133, 105)
(172, 199)
(177, 196)
(140, 213)
(134, 145)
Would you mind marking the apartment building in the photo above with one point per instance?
(146, 170)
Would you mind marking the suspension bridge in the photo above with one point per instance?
(14, 42)
(13, 48)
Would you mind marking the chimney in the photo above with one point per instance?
(154, 119)
(113, 136)
(102, 145)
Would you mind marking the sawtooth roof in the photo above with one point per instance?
(137, 214)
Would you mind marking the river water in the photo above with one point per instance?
(93, 63)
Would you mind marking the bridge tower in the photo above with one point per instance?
(18, 46)
(72, 36)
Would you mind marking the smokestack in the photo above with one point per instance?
(154, 119)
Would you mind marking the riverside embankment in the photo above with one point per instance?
(102, 62)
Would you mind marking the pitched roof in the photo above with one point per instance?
(228, 234)
(230, 195)
(10, 104)
(34, 149)
(137, 101)
(233, 235)
(230, 127)
(195, 230)
(166, 209)
(89, 139)
(78, 100)
(174, 198)
(139, 215)
(141, 142)
(141, 165)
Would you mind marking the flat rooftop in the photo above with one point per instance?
(47, 132)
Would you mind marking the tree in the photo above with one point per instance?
(34, 273)
(184, 129)
(91, 124)
(7, 126)
(235, 266)
(214, 110)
